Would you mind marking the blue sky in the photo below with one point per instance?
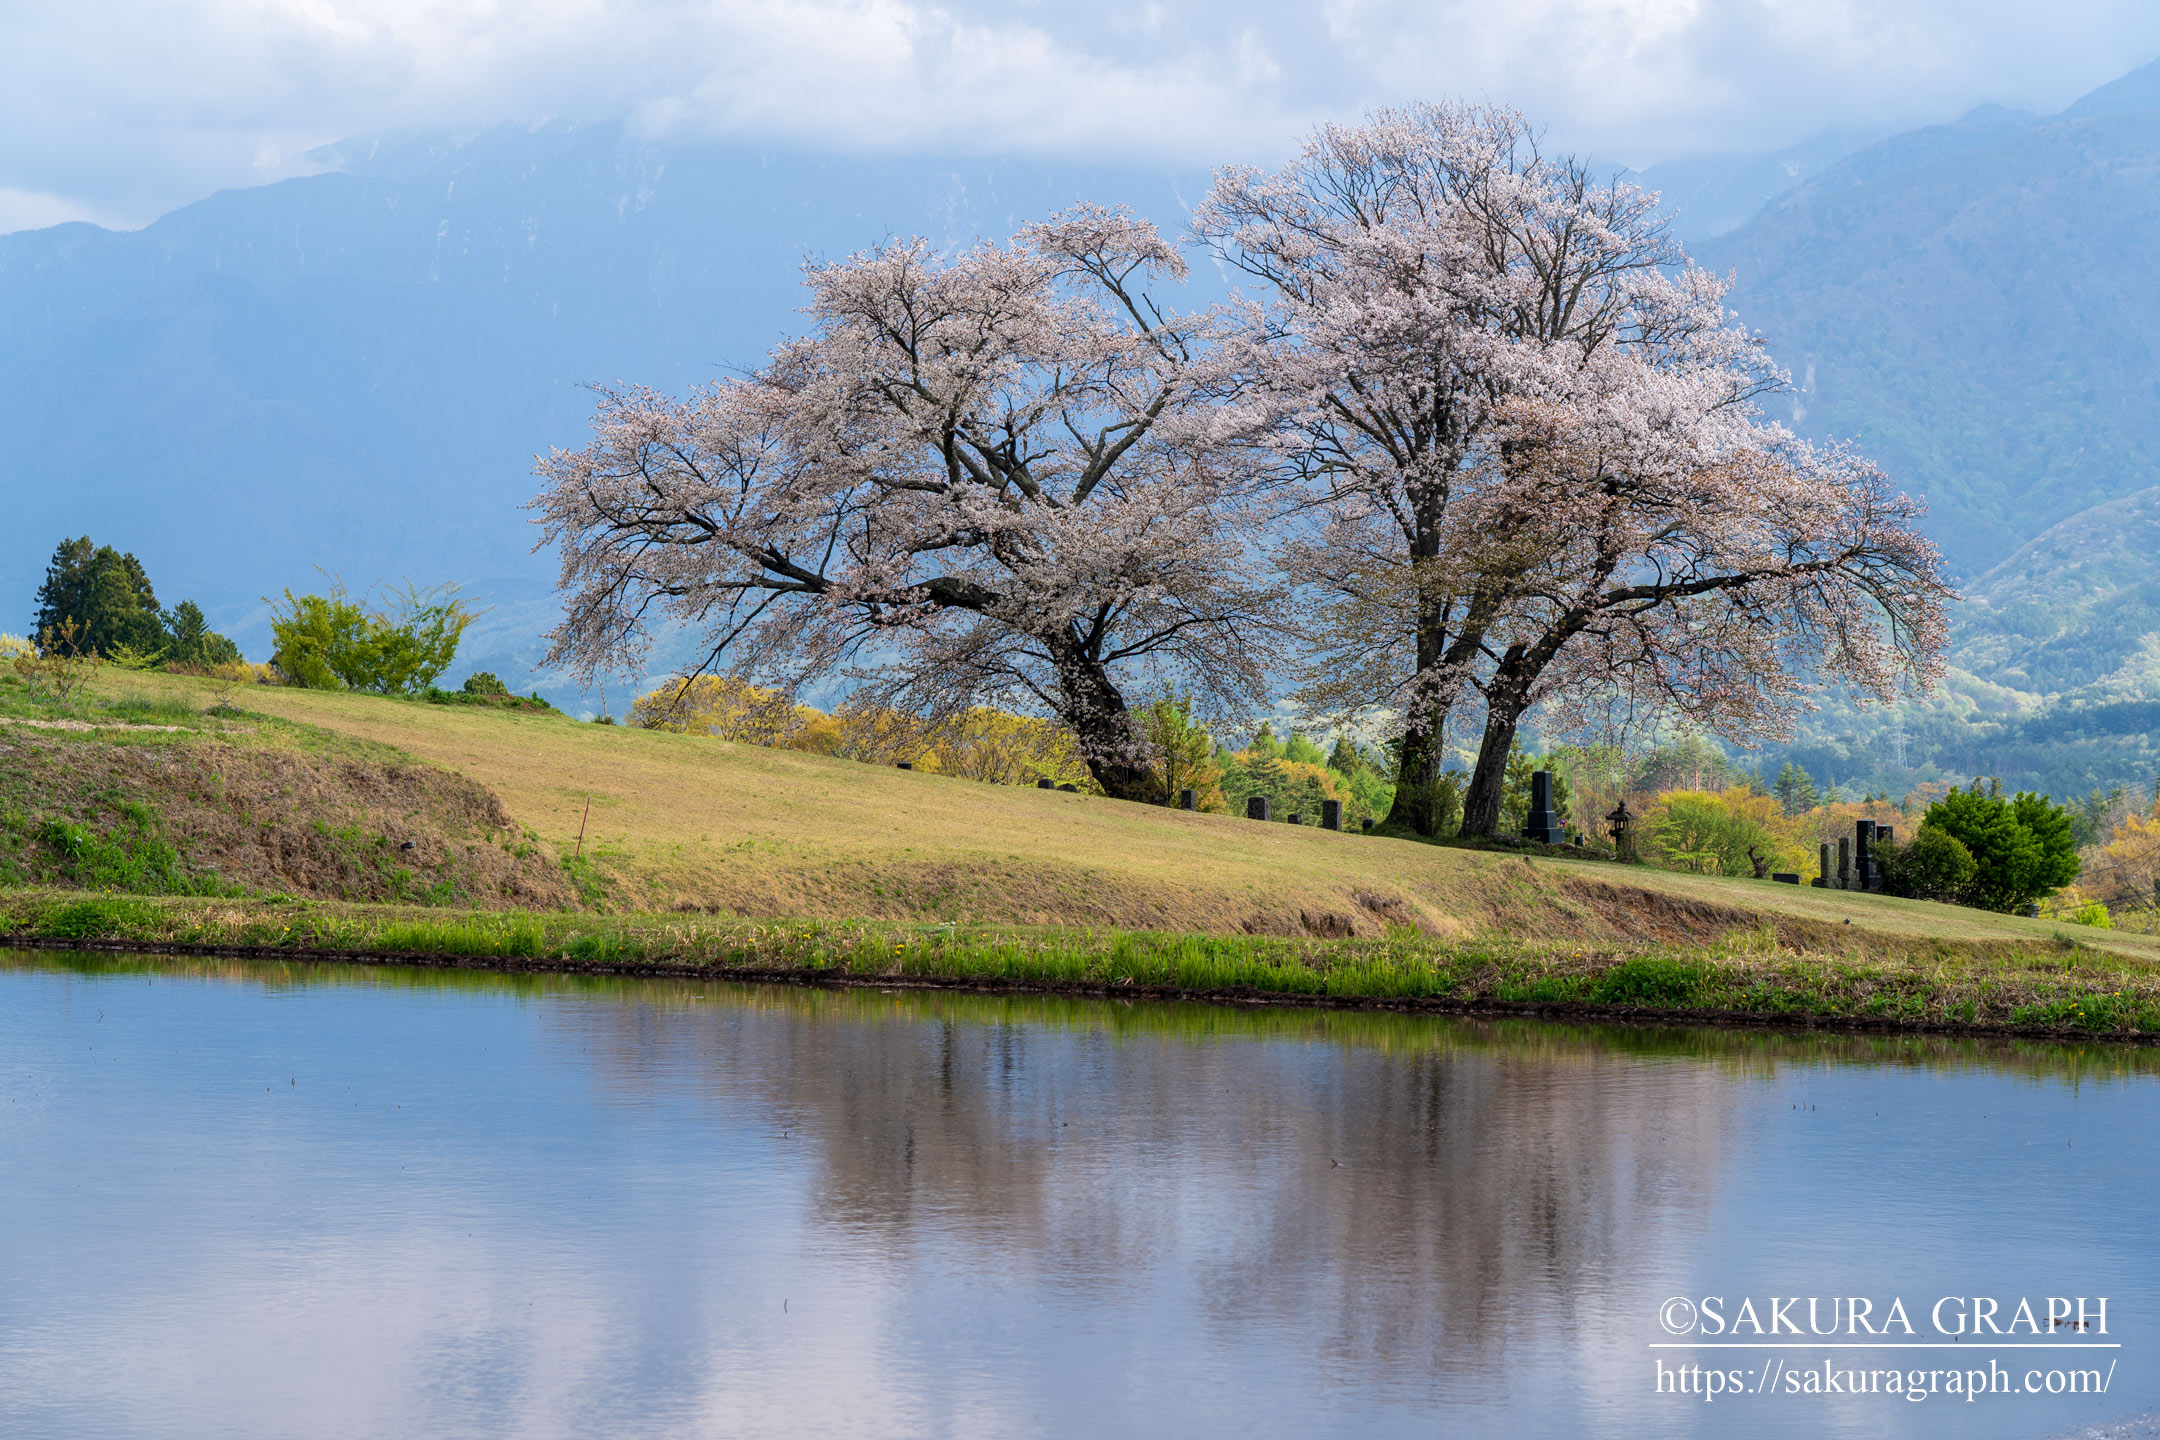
(117, 110)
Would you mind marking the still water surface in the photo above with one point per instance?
(241, 1200)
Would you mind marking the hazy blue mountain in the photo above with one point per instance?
(1708, 195)
(355, 369)
(2074, 613)
(2055, 673)
(1966, 302)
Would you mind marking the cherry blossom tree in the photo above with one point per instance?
(1515, 408)
(1691, 559)
(1007, 474)
(1422, 269)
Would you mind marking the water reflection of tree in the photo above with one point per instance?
(1400, 1211)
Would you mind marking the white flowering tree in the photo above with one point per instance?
(1511, 402)
(1690, 558)
(1008, 474)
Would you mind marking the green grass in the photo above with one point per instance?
(2052, 988)
(134, 855)
(906, 876)
(684, 822)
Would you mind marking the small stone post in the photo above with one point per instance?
(1188, 800)
(904, 765)
(1331, 814)
(1544, 823)
(1366, 824)
(1045, 785)
(1256, 807)
(1823, 881)
(1844, 863)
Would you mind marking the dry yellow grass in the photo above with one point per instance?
(683, 822)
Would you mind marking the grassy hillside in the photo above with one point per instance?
(686, 825)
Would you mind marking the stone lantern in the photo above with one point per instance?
(1623, 835)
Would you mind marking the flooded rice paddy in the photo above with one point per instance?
(260, 1200)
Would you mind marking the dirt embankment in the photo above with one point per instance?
(205, 815)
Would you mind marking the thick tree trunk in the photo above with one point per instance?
(1505, 700)
(1416, 809)
(1097, 713)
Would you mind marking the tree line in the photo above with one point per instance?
(97, 601)
(1480, 439)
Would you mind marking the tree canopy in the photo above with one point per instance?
(97, 600)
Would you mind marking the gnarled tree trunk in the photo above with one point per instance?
(1092, 705)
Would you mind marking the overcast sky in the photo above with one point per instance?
(118, 110)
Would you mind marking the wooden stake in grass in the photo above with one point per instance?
(581, 828)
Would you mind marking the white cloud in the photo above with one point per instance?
(35, 210)
(125, 108)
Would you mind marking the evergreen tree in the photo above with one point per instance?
(1794, 789)
(105, 594)
(1179, 752)
(1302, 751)
(191, 641)
(1344, 759)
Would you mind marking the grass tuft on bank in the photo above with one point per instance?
(2057, 987)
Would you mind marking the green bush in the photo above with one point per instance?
(484, 682)
(2092, 913)
(1935, 865)
(331, 642)
(2022, 848)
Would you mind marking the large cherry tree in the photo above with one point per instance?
(1509, 399)
(1684, 557)
(1010, 474)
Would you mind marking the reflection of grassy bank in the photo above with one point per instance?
(2051, 987)
(1743, 1049)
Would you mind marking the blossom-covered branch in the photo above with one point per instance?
(1006, 473)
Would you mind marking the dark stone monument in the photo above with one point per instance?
(1544, 823)
(1623, 831)
(1331, 814)
(1044, 785)
(1786, 877)
(1070, 789)
(1822, 881)
(1366, 823)
(1296, 819)
(1256, 807)
(904, 765)
(1187, 800)
(1863, 847)
(1844, 863)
